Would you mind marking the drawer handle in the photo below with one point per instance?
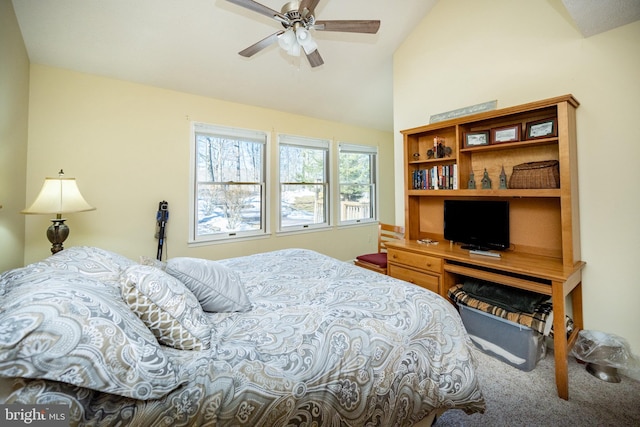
(394, 256)
(428, 264)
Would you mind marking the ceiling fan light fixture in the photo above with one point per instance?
(309, 45)
(293, 41)
(294, 50)
(303, 36)
(288, 42)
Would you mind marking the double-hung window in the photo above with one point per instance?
(357, 166)
(229, 192)
(304, 183)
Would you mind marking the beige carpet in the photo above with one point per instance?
(516, 398)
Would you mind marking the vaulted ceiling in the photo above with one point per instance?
(192, 46)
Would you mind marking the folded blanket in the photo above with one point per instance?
(540, 320)
(510, 299)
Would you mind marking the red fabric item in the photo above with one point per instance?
(378, 259)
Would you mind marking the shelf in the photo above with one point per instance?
(433, 161)
(545, 192)
(511, 145)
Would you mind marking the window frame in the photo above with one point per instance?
(258, 136)
(313, 143)
(345, 147)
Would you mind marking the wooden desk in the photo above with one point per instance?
(531, 272)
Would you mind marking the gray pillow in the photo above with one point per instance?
(74, 329)
(217, 287)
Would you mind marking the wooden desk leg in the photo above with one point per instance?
(576, 300)
(560, 339)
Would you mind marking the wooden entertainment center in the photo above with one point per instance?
(544, 222)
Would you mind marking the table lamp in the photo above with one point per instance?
(58, 196)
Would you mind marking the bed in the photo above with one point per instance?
(289, 337)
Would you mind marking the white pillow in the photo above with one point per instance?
(217, 287)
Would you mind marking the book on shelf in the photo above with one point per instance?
(440, 177)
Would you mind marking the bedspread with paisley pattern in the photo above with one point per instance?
(324, 343)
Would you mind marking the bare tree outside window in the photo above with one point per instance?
(304, 183)
(230, 182)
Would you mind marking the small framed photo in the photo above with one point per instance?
(506, 134)
(473, 139)
(546, 128)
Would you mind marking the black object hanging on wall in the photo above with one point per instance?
(161, 218)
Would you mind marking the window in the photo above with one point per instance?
(229, 192)
(304, 183)
(357, 166)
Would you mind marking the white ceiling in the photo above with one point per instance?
(597, 16)
(191, 46)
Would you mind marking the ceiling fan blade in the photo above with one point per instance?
(349, 26)
(257, 7)
(314, 58)
(257, 47)
(310, 5)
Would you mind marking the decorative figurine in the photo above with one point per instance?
(503, 179)
(439, 150)
(486, 181)
(471, 185)
(416, 156)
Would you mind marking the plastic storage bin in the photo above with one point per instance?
(515, 344)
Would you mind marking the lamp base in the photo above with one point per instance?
(57, 233)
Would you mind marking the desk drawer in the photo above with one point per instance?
(427, 281)
(423, 262)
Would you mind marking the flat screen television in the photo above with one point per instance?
(477, 224)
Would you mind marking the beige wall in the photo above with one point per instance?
(14, 96)
(128, 147)
(516, 51)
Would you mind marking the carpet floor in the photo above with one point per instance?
(517, 398)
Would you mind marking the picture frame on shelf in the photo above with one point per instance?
(474, 139)
(546, 128)
(503, 134)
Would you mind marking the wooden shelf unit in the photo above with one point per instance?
(544, 223)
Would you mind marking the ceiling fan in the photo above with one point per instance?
(298, 17)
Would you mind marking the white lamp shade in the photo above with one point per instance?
(303, 36)
(293, 41)
(287, 39)
(58, 196)
(294, 50)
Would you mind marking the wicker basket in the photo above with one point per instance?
(545, 174)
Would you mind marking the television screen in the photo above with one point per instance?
(477, 224)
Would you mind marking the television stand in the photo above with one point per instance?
(439, 267)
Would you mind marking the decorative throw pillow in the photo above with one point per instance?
(217, 287)
(167, 307)
(80, 332)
